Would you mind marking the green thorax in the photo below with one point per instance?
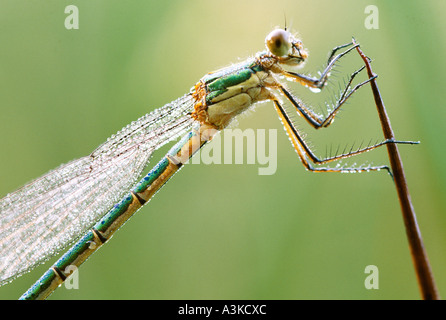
(219, 81)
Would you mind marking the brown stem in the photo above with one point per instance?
(423, 270)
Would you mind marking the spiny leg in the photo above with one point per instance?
(304, 151)
(317, 121)
(312, 118)
(318, 83)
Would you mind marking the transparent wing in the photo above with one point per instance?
(47, 214)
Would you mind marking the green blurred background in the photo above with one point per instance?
(223, 231)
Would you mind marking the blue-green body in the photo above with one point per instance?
(213, 103)
(219, 88)
(87, 242)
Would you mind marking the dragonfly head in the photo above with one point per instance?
(285, 47)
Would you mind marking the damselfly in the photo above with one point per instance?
(88, 199)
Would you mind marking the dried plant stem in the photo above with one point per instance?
(420, 260)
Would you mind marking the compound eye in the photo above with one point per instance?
(278, 42)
